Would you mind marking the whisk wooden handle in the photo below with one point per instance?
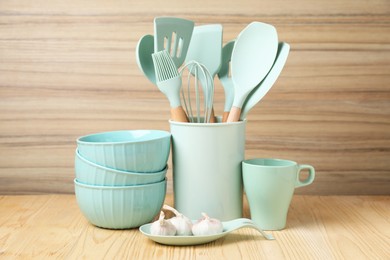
(178, 114)
(212, 116)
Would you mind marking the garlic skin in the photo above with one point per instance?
(182, 224)
(162, 227)
(207, 226)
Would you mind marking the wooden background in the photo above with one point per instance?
(68, 68)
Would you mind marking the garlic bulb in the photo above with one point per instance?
(182, 224)
(207, 226)
(162, 227)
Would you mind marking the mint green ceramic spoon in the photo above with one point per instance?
(253, 55)
(228, 227)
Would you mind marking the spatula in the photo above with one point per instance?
(261, 90)
(253, 56)
(174, 35)
(206, 48)
(224, 76)
(169, 82)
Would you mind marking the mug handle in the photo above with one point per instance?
(309, 178)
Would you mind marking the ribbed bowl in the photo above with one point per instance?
(120, 207)
(131, 150)
(90, 173)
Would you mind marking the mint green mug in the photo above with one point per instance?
(269, 185)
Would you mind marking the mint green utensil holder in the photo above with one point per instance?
(207, 168)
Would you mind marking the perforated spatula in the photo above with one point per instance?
(173, 35)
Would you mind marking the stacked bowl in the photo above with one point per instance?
(121, 176)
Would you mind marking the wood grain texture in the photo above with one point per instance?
(68, 69)
(318, 227)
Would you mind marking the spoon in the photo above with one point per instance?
(228, 227)
(224, 76)
(261, 90)
(253, 55)
(144, 50)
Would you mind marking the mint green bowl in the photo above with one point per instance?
(120, 207)
(90, 173)
(127, 150)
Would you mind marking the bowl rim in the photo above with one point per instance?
(85, 160)
(165, 134)
(128, 187)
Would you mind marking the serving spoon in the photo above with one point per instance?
(261, 90)
(228, 227)
(253, 56)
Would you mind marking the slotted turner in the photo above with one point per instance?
(173, 35)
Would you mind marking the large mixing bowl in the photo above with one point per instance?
(90, 173)
(120, 207)
(132, 150)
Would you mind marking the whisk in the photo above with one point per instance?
(202, 82)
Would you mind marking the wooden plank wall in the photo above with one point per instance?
(68, 68)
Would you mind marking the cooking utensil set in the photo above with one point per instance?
(247, 66)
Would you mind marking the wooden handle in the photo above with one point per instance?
(212, 116)
(225, 116)
(234, 115)
(178, 114)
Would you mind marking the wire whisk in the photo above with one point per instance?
(199, 80)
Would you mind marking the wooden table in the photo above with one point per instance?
(318, 227)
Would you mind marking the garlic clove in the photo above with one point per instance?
(207, 226)
(182, 224)
(162, 227)
(183, 227)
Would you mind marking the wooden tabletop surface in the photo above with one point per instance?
(318, 227)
